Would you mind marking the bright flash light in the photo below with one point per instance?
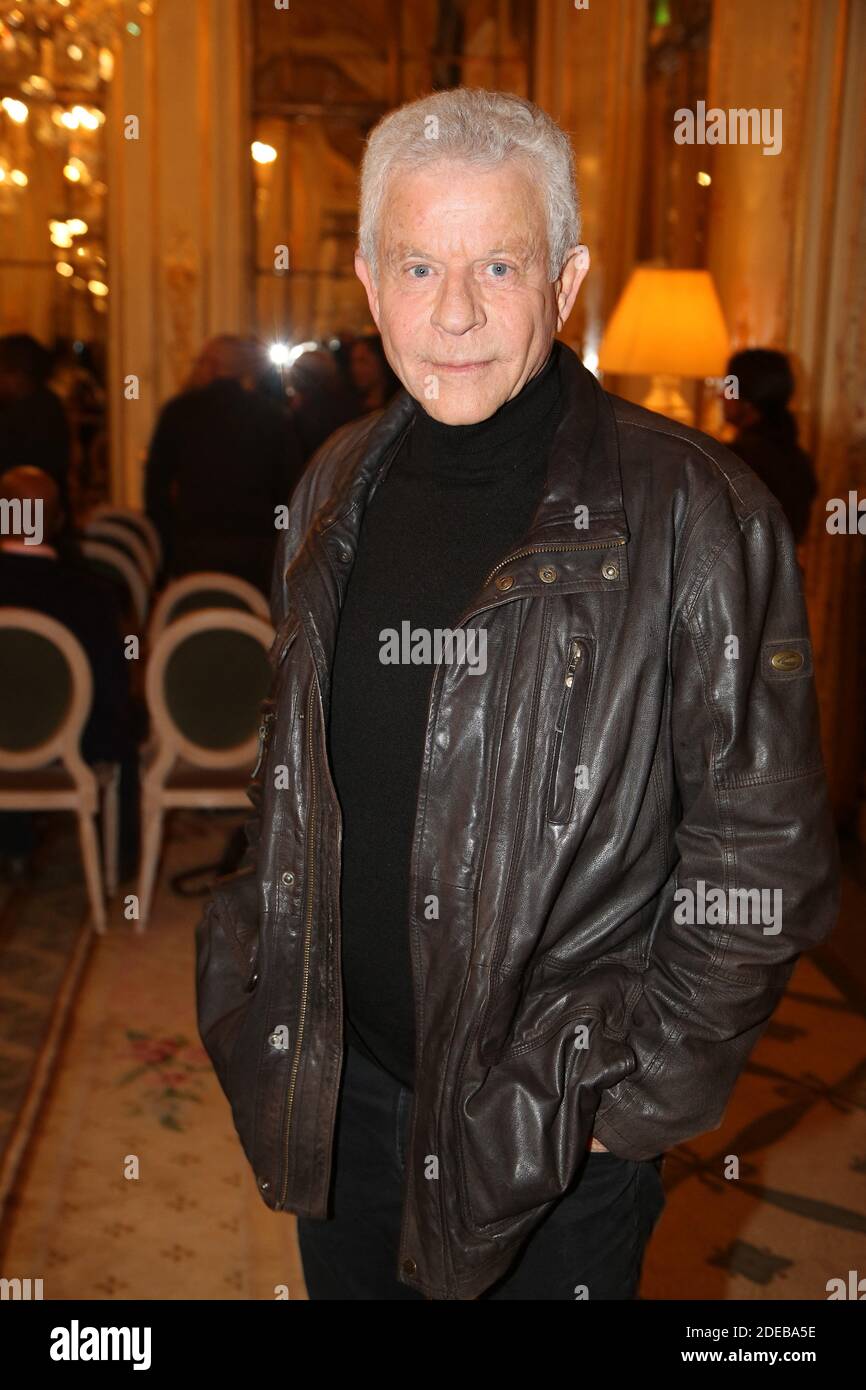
(279, 354)
(77, 226)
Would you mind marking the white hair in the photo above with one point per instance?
(480, 128)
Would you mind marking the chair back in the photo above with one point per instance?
(111, 561)
(139, 522)
(206, 678)
(128, 540)
(46, 693)
(205, 589)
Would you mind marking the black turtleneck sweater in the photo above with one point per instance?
(456, 499)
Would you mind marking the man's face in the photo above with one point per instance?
(462, 300)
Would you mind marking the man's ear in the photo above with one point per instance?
(364, 274)
(570, 280)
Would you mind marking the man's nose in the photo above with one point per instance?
(458, 307)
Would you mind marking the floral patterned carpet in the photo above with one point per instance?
(133, 1184)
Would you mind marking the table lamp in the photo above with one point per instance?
(667, 324)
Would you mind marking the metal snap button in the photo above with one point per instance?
(287, 878)
(610, 570)
(345, 556)
(547, 574)
(410, 1267)
(264, 1185)
(504, 582)
(276, 1039)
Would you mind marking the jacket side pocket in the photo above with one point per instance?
(522, 1132)
(568, 729)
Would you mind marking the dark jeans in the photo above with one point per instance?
(594, 1236)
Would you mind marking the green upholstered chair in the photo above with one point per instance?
(204, 589)
(110, 560)
(45, 698)
(139, 522)
(113, 532)
(207, 676)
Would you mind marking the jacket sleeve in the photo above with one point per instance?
(754, 814)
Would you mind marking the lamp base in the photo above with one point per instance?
(666, 398)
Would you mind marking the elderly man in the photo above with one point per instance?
(541, 821)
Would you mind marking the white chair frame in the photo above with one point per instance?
(82, 796)
(140, 520)
(129, 573)
(179, 589)
(169, 744)
(115, 530)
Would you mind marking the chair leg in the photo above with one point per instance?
(92, 868)
(151, 840)
(111, 831)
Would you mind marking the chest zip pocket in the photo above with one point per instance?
(264, 730)
(279, 649)
(568, 730)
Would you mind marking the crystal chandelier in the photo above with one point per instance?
(56, 60)
(48, 46)
(56, 57)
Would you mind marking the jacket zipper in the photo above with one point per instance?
(573, 659)
(308, 935)
(267, 721)
(540, 550)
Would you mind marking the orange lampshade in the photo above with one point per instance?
(666, 321)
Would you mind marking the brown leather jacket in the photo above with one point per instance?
(647, 724)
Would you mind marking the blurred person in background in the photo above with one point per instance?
(371, 372)
(223, 456)
(322, 400)
(34, 430)
(766, 437)
(42, 578)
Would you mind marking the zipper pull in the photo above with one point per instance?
(574, 657)
(267, 720)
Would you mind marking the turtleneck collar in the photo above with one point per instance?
(493, 446)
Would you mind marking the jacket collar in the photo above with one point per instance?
(578, 534)
(583, 468)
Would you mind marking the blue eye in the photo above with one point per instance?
(413, 268)
(500, 265)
